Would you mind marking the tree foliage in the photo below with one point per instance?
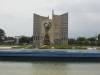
(98, 36)
(2, 35)
(25, 40)
(83, 41)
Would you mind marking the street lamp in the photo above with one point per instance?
(17, 39)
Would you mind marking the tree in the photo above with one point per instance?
(81, 41)
(2, 35)
(98, 36)
(98, 40)
(71, 41)
(92, 41)
(24, 40)
(31, 40)
(9, 40)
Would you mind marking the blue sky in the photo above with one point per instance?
(16, 16)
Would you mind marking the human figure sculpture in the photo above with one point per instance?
(47, 26)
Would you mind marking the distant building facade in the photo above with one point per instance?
(50, 31)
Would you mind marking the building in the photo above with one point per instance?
(50, 31)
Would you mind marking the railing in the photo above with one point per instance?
(49, 56)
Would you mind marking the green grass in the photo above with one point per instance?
(62, 47)
(56, 47)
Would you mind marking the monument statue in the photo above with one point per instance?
(47, 26)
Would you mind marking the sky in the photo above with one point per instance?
(16, 16)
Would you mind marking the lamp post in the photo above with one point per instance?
(17, 39)
(96, 41)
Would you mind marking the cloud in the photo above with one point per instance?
(84, 15)
(84, 24)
